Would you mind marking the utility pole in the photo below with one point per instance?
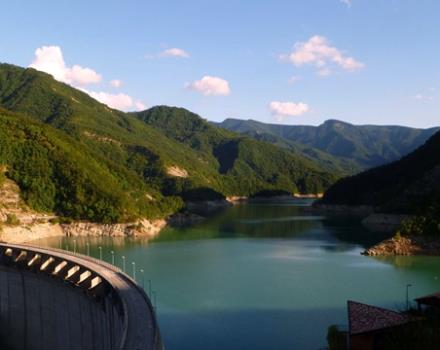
(134, 270)
(143, 279)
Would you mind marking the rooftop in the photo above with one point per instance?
(365, 318)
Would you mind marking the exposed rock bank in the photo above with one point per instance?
(406, 246)
(142, 228)
(308, 195)
(19, 224)
(32, 232)
(237, 199)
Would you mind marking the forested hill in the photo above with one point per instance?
(410, 185)
(237, 156)
(341, 145)
(81, 159)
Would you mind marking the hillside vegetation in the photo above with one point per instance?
(58, 174)
(408, 186)
(338, 145)
(81, 159)
(247, 163)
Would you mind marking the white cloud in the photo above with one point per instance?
(115, 83)
(118, 101)
(50, 59)
(346, 2)
(171, 52)
(175, 52)
(287, 109)
(140, 106)
(318, 52)
(210, 86)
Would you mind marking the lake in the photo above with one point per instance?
(262, 276)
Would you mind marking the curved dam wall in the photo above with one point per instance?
(52, 299)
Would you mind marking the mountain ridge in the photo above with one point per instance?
(408, 185)
(358, 147)
(134, 156)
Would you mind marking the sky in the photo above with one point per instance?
(277, 61)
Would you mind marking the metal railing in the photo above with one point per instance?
(33, 258)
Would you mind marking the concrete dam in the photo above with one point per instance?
(55, 300)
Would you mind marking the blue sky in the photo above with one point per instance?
(286, 61)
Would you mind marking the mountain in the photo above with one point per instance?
(244, 162)
(410, 185)
(57, 173)
(340, 145)
(81, 159)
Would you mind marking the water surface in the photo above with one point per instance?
(262, 276)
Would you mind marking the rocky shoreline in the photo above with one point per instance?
(406, 246)
(31, 226)
(308, 196)
(30, 232)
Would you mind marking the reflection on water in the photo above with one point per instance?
(262, 276)
(293, 219)
(282, 219)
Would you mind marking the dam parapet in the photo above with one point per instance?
(53, 299)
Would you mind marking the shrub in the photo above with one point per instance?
(12, 220)
(427, 224)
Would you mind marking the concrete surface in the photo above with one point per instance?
(81, 304)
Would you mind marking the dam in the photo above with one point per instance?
(54, 299)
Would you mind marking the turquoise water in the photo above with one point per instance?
(263, 276)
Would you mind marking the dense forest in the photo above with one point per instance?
(83, 160)
(410, 185)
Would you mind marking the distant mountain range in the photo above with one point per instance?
(337, 145)
(76, 157)
(82, 160)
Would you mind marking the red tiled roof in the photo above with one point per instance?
(430, 296)
(363, 318)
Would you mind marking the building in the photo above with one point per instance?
(428, 300)
(368, 325)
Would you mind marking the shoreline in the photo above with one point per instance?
(32, 232)
(406, 246)
(377, 222)
(39, 226)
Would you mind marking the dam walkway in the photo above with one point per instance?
(53, 299)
